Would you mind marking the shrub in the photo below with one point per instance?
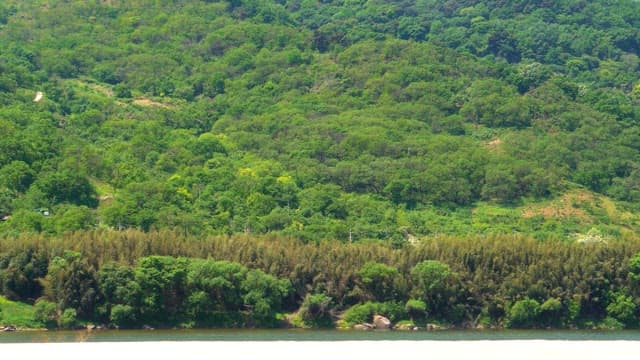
(363, 313)
(379, 280)
(68, 320)
(45, 312)
(358, 314)
(123, 316)
(314, 310)
(550, 311)
(634, 268)
(122, 91)
(433, 283)
(416, 309)
(523, 313)
(622, 308)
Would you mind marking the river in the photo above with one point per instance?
(312, 335)
(319, 344)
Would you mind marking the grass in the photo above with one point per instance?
(102, 188)
(17, 314)
(89, 86)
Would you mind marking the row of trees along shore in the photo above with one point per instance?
(165, 279)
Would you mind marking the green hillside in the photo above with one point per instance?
(347, 120)
(259, 163)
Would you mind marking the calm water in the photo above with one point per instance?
(310, 335)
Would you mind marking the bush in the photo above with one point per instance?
(523, 314)
(430, 277)
(68, 320)
(550, 311)
(379, 280)
(622, 308)
(634, 268)
(358, 314)
(45, 312)
(416, 309)
(363, 313)
(122, 91)
(433, 283)
(315, 310)
(123, 316)
(610, 323)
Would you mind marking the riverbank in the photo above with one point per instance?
(281, 350)
(131, 279)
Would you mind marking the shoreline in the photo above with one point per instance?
(482, 349)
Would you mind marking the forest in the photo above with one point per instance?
(353, 124)
(131, 279)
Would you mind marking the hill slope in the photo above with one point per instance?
(346, 120)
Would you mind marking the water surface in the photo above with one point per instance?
(237, 335)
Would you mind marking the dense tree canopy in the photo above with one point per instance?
(132, 278)
(403, 158)
(321, 120)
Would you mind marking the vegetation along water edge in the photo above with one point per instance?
(129, 279)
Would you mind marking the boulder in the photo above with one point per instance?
(381, 322)
(363, 326)
(9, 328)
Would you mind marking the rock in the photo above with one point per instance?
(381, 322)
(433, 327)
(147, 327)
(9, 328)
(91, 327)
(364, 326)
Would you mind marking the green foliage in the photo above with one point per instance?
(123, 316)
(18, 314)
(610, 323)
(551, 311)
(122, 91)
(264, 294)
(258, 278)
(348, 121)
(70, 284)
(16, 176)
(363, 313)
(20, 273)
(215, 289)
(622, 308)
(46, 313)
(162, 281)
(68, 319)
(431, 275)
(634, 268)
(315, 310)
(523, 314)
(416, 309)
(67, 187)
(270, 118)
(380, 281)
(433, 281)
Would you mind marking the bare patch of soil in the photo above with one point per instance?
(568, 206)
(150, 103)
